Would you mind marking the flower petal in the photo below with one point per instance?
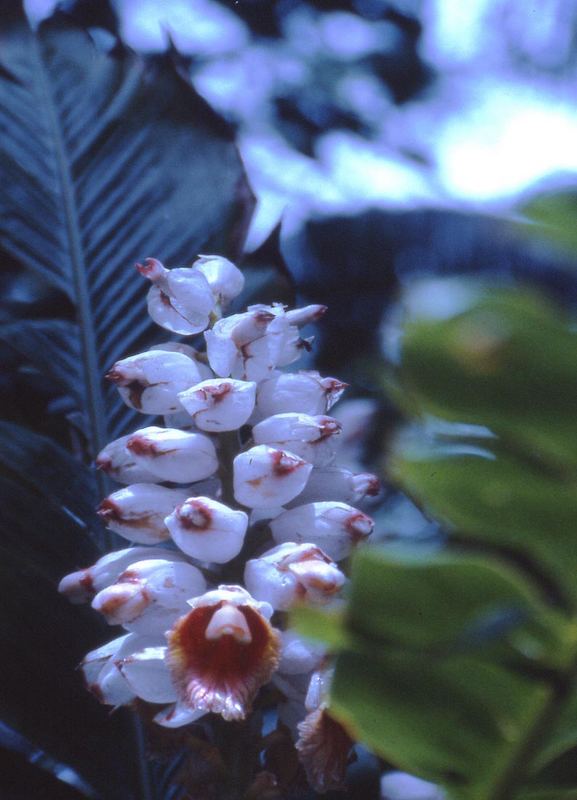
(221, 654)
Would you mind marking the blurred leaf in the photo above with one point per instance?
(504, 359)
(446, 604)
(455, 721)
(326, 626)
(448, 667)
(487, 495)
(107, 159)
(554, 217)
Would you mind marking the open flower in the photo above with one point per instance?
(138, 512)
(222, 652)
(310, 437)
(220, 404)
(293, 572)
(179, 300)
(334, 527)
(265, 477)
(207, 530)
(150, 382)
(149, 595)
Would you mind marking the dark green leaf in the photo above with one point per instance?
(52, 347)
(106, 159)
(45, 514)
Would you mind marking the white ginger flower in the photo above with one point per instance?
(149, 595)
(311, 438)
(402, 786)
(334, 527)
(226, 281)
(222, 651)
(150, 382)
(173, 455)
(207, 530)
(138, 512)
(179, 300)
(220, 404)
(251, 345)
(82, 585)
(101, 673)
(265, 477)
(122, 465)
(299, 656)
(304, 391)
(291, 573)
(335, 483)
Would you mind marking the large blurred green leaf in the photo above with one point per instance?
(445, 668)
(505, 359)
(484, 493)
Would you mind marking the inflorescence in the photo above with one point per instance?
(241, 481)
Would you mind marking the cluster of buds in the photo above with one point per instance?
(245, 447)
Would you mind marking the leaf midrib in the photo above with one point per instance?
(98, 435)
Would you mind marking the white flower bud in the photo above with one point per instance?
(266, 477)
(293, 572)
(118, 462)
(402, 786)
(306, 315)
(81, 586)
(177, 715)
(221, 404)
(303, 391)
(101, 674)
(150, 381)
(291, 710)
(147, 674)
(179, 300)
(207, 530)
(334, 483)
(297, 655)
(312, 438)
(355, 417)
(149, 596)
(137, 512)
(335, 527)
(224, 278)
(190, 352)
(173, 455)
(249, 346)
